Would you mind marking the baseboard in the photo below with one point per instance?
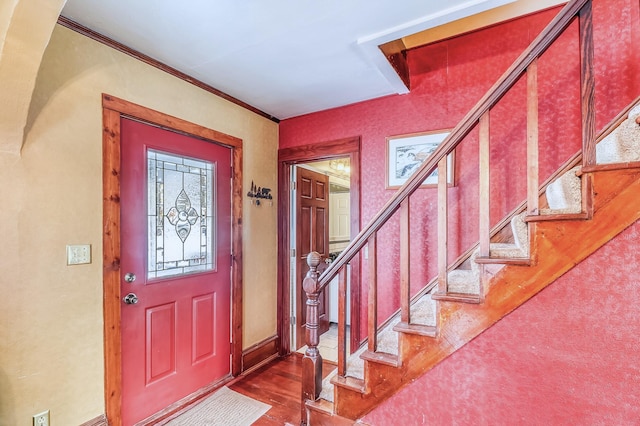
(101, 420)
(262, 351)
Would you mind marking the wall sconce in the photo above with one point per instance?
(257, 193)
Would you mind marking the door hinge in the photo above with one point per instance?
(293, 252)
(293, 185)
(293, 320)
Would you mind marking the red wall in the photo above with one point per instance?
(568, 356)
(448, 78)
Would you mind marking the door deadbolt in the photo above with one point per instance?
(129, 277)
(130, 299)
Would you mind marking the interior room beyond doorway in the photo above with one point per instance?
(338, 171)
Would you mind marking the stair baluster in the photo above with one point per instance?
(588, 90)
(372, 326)
(443, 226)
(342, 323)
(484, 186)
(533, 188)
(405, 255)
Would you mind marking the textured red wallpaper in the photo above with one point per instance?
(448, 78)
(567, 356)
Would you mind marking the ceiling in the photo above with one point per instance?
(283, 57)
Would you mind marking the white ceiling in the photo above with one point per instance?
(283, 57)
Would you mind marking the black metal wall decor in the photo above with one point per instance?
(259, 193)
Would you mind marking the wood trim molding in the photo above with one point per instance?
(260, 353)
(320, 151)
(237, 302)
(111, 264)
(113, 110)
(159, 119)
(80, 29)
(396, 53)
(287, 157)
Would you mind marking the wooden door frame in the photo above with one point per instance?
(287, 158)
(113, 110)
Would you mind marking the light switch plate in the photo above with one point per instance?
(78, 254)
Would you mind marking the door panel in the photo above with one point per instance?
(175, 239)
(321, 228)
(312, 234)
(204, 333)
(161, 342)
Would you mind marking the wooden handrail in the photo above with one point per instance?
(499, 89)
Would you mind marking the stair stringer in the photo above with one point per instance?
(557, 246)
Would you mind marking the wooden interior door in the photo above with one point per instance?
(176, 267)
(312, 234)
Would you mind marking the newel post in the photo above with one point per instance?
(312, 361)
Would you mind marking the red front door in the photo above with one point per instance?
(176, 268)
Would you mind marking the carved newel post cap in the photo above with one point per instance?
(310, 283)
(313, 259)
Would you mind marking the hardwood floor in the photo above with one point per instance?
(277, 384)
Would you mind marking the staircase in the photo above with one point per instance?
(589, 200)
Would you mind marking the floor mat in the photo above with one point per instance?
(224, 407)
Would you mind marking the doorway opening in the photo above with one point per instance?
(339, 162)
(337, 172)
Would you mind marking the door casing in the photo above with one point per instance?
(113, 109)
(287, 158)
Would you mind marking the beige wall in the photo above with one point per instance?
(51, 350)
(25, 30)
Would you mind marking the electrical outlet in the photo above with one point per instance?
(41, 419)
(79, 254)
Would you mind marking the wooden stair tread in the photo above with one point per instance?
(555, 217)
(611, 167)
(457, 297)
(320, 405)
(419, 329)
(352, 383)
(382, 358)
(504, 260)
(320, 413)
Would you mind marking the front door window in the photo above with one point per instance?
(180, 215)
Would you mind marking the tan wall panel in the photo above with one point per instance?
(51, 353)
